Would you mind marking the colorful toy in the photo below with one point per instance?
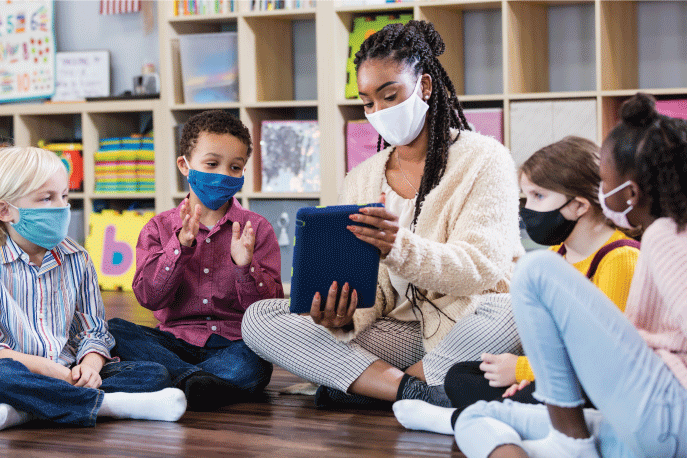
(71, 155)
(111, 243)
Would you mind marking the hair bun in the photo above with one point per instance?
(639, 111)
(432, 37)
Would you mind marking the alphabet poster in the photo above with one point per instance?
(111, 242)
(27, 49)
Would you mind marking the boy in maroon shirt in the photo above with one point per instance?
(199, 266)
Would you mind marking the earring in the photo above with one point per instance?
(629, 202)
(426, 97)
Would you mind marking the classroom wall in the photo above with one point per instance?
(80, 27)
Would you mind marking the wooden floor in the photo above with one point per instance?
(277, 426)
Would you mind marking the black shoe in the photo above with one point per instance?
(206, 392)
(331, 398)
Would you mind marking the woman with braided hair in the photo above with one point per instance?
(448, 237)
(632, 367)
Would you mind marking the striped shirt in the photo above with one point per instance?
(55, 310)
(657, 304)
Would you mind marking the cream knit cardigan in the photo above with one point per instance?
(466, 240)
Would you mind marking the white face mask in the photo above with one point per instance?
(617, 218)
(402, 123)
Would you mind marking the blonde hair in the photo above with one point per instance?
(23, 170)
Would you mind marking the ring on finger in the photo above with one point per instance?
(340, 316)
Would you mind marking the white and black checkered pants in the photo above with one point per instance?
(308, 350)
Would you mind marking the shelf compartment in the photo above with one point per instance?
(98, 126)
(31, 128)
(291, 14)
(6, 130)
(281, 214)
(643, 44)
(474, 46)
(535, 124)
(551, 46)
(253, 118)
(267, 69)
(611, 106)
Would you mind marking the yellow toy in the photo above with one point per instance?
(111, 242)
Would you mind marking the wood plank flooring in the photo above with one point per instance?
(276, 426)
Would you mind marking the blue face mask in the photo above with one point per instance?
(45, 227)
(213, 189)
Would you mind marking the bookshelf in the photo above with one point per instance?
(500, 54)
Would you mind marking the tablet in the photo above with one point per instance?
(325, 251)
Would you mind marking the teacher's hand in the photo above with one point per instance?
(384, 230)
(334, 315)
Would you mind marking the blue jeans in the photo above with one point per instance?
(575, 337)
(230, 360)
(57, 400)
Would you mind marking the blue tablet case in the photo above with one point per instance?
(324, 251)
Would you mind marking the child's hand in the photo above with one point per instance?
(499, 369)
(87, 376)
(190, 223)
(242, 245)
(514, 388)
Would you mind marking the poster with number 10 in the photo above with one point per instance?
(27, 49)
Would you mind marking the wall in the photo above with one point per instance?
(80, 27)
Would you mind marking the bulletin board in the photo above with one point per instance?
(27, 50)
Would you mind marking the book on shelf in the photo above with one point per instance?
(363, 27)
(361, 142)
(271, 5)
(369, 2)
(486, 121)
(676, 108)
(202, 7)
(290, 156)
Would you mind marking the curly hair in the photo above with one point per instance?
(417, 45)
(214, 122)
(653, 148)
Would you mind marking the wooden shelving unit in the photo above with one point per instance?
(499, 53)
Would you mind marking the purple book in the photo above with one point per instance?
(361, 142)
(486, 121)
(674, 108)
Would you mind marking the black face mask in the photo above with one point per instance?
(547, 228)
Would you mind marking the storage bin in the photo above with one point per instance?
(209, 67)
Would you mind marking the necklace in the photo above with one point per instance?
(398, 160)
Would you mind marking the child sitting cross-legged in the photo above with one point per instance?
(199, 266)
(55, 359)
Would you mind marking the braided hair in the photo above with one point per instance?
(417, 45)
(653, 148)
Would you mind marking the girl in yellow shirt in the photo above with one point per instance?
(560, 184)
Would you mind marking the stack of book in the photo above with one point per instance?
(125, 164)
(196, 7)
(269, 5)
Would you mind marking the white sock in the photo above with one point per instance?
(9, 416)
(164, 405)
(423, 416)
(561, 446)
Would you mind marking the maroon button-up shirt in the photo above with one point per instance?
(198, 291)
